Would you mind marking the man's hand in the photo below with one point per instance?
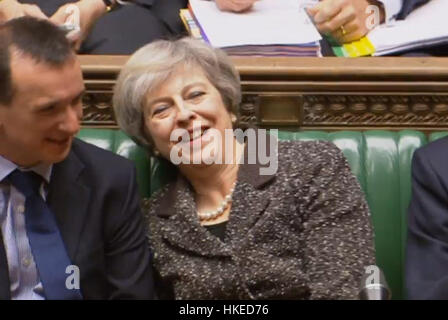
(235, 5)
(10, 9)
(344, 20)
(86, 14)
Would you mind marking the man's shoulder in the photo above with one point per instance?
(435, 153)
(90, 154)
(438, 147)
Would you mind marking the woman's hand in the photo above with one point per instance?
(10, 9)
(344, 20)
(82, 14)
(235, 5)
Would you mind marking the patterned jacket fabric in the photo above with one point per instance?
(301, 233)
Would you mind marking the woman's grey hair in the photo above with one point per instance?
(153, 64)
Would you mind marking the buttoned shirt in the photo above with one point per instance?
(23, 274)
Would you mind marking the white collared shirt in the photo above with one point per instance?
(23, 275)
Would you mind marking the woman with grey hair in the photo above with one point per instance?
(226, 229)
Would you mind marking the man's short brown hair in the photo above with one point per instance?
(39, 39)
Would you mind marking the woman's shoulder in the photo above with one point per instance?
(310, 162)
(306, 146)
(312, 153)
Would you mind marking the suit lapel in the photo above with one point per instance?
(250, 201)
(180, 225)
(68, 199)
(248, 207)
(5, 293)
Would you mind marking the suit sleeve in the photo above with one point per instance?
(391, 8)
(427, 243)
(168, 13)
(338, 236)
(128, 256)
(409, 6)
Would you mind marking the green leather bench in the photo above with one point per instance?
(380, 159)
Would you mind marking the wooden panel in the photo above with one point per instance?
(312, 93)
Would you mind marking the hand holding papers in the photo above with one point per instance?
(426, 26)
(344, 20)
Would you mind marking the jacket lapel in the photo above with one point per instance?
(249, 200)
(180, 225)
(68, 199)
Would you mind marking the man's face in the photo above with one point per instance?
(44, 115)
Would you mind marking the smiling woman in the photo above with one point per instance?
(134, 99)
(228, 229)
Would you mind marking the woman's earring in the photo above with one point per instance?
(233, 118)
(155, 152)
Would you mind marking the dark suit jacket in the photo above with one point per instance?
(94, 196)
(128, 28)
(301, 233)
(427, 244)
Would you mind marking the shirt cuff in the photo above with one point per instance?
(391, 8)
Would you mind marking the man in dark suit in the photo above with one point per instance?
(121, 30)
(427, 244)
(70, 222)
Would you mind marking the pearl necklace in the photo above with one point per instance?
(212, 215)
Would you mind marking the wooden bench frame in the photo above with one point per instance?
(392, 93)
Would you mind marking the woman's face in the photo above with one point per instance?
(186, 101)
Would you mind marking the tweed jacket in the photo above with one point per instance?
(301, 233)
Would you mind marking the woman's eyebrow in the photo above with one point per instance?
(165, 99)
(157, 100)
(190, 85)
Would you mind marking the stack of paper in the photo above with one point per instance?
(270, 28)
(426, 26)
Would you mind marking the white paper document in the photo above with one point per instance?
(428, 25)
(269, 22)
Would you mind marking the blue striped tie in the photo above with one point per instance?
(45, 239)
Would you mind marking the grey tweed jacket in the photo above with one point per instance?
(302, 233)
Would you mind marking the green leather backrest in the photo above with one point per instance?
(381, 160)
